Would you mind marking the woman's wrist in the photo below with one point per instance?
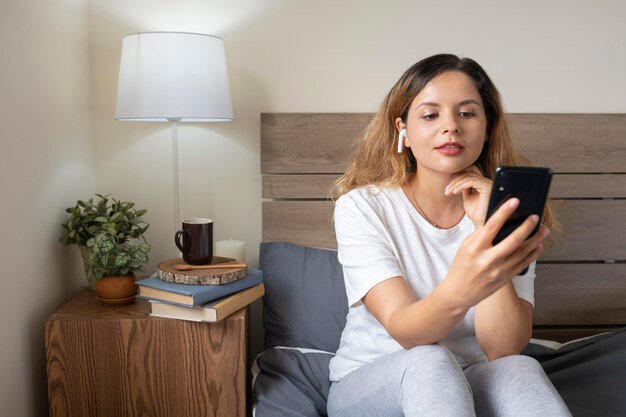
(451, 298)
(478, 223)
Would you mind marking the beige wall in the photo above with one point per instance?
(46, 163)
(59, 69)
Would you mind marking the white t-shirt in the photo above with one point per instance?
(380, 235)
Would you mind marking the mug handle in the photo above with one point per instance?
(177, 239)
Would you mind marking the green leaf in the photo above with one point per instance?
(142, 257)
(122, 259)
(105, 243)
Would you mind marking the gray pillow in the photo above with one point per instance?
(305, 303)
(291, 384)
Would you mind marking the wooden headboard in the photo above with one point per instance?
(581, 281)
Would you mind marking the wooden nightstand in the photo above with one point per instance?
(119, 361)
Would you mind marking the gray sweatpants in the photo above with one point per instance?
(427, 381)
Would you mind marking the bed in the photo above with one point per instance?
(579, 335)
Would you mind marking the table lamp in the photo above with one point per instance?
(173, 77)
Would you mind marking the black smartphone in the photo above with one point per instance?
(530, 185)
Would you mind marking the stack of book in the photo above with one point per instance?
(208, 303)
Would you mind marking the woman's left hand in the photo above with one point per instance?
(475, 190)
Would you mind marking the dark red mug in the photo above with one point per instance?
(197, 241)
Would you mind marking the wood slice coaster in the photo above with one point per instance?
(168, 272)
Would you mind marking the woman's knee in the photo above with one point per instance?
(433, 380)
(432, 352)
(519, 362)
(508, 368)
(432, 356)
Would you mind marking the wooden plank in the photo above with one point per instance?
(595, 229)
(307, 223)
(588, 294)
(298, 186)
(308, 142)
(588, 186)
(573, 142)
(318, 143)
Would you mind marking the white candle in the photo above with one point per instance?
(230, 249)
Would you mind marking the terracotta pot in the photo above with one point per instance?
(117, 290)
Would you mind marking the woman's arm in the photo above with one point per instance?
(412, 322)
(503, 323)
(478, 271)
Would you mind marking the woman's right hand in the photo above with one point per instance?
(480, 268)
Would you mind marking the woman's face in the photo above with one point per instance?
(446, 124)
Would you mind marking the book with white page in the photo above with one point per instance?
(211, 312)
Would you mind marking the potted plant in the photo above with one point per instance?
(88, 218)
(113, 263)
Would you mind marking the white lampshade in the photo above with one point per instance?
(173, 76)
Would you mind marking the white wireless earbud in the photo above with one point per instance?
(401, 137)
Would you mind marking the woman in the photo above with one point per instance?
(438, 315)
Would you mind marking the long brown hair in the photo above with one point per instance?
(374, 160)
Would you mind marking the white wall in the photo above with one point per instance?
(59, 68)
(46, 163)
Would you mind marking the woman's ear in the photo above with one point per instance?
(401, 127)
(400, 124)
